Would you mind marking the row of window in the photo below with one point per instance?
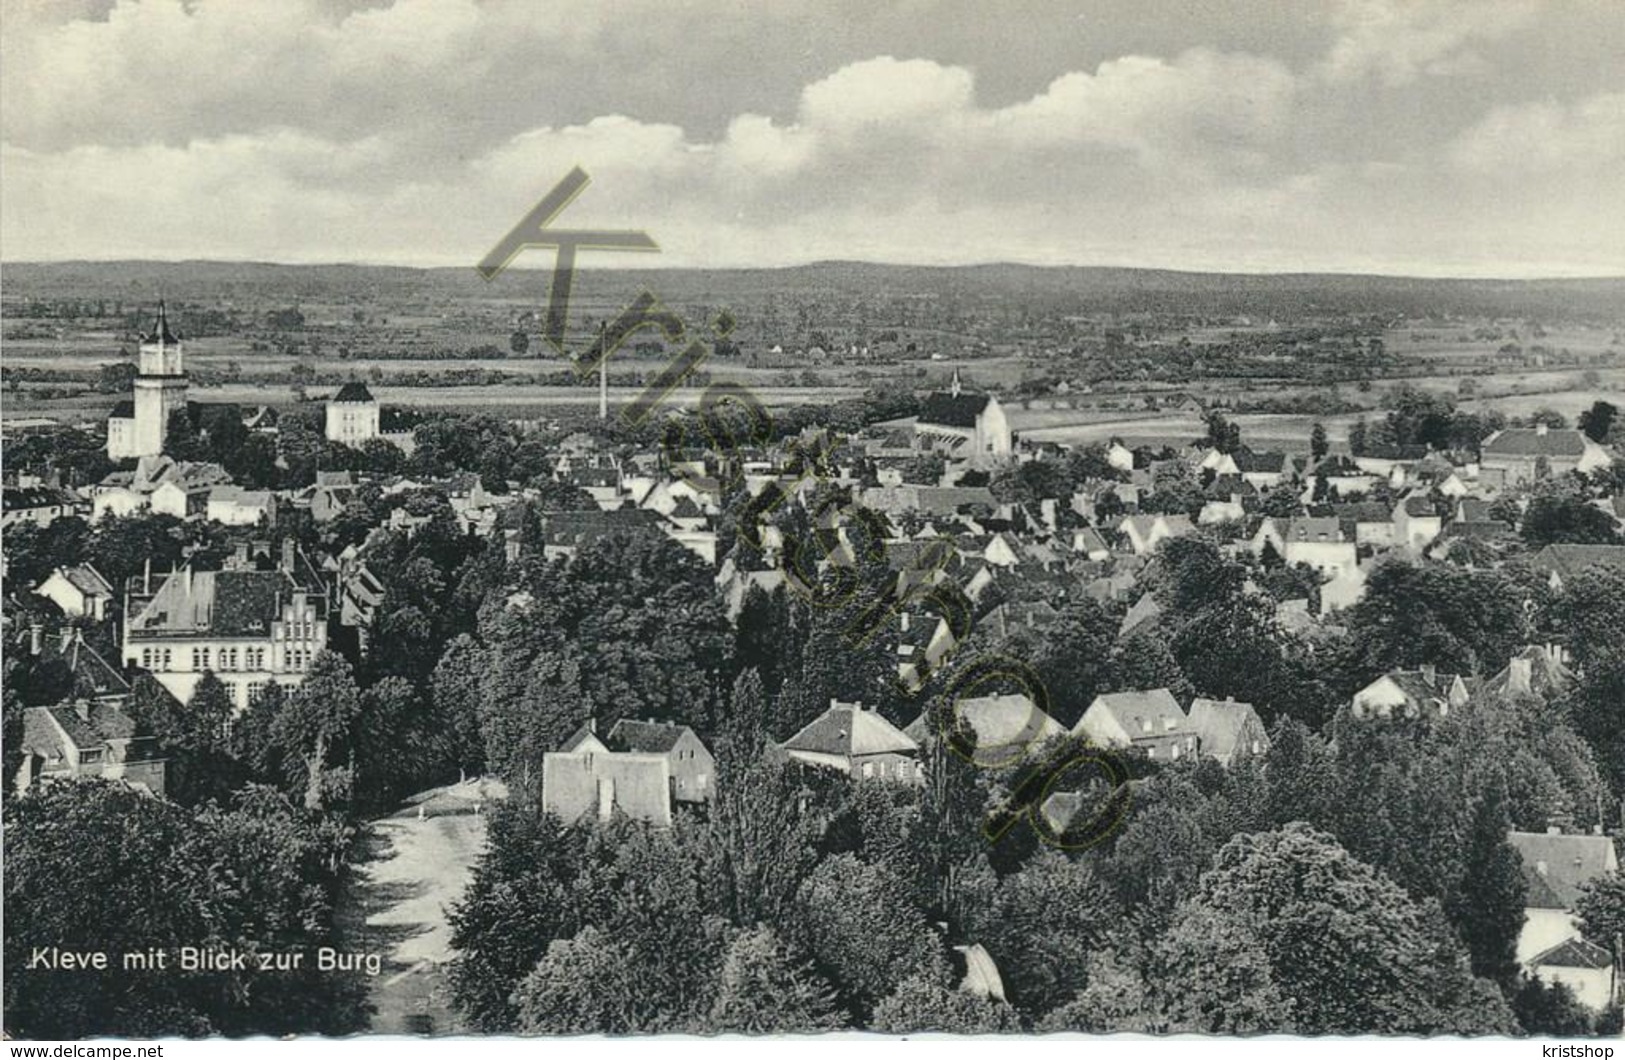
(298, 631)
(162, 660)
(228, 659)
(901, 768)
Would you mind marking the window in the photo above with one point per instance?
(168, 660)
(1173, 752)
(90, 757)
(197, 659)
(206, 658)
(868, 770)
(146, 658)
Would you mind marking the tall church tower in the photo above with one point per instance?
(137, 429)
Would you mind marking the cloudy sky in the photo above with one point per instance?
(1432, 137)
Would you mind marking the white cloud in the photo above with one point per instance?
(1399, 41)
(418, 131)
(1579, 138)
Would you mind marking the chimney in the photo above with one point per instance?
(146, 576)
(592, 725)
(1429, 674)
(239, 556)
(65, 639)
(36, 639)
(81, 707)
(287, 554)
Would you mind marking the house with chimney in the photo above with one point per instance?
(689, 762)
(1538, 671)
(79, 591)
(1150, 721)
(92, 674)
(1227, 730)
(1556, 869)
(84, 739)
(41, 505)
(1319, 543)
(1420, 693)
(1146, 532)
(1008, 727)
(857, 741)
(247, 626)
(1519, 455)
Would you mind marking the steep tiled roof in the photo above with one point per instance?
(585, 735)
(1530, 441)
(572, 528)
(1569, 560)
(951, 410)
(1005, 721)
(19, 498)
(1573, 953)
(1308, 529)
(354, 392)
(122, 410)
(1248, 460)
(647, 737)
(849, 731)
(1128, 708)
(236, 603)
(1569, 861)
(1145, 609)
(85, 662)
(88, 580)
(1219, 724)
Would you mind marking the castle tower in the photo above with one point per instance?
(137, 428)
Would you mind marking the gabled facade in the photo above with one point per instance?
(1146, 721)
(1007, 727)
(593, 784)
(689, 763)
(80, 591)
(1556, 869)
(1227, 730)
(859, 743)
(86, 739)
(1422, 693)
(249, 627)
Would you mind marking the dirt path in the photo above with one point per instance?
(415, 866)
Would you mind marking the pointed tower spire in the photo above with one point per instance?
(160, 327)
(954, 388)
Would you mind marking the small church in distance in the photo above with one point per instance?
(136, 428)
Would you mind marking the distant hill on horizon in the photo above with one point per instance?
(1057, 288)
